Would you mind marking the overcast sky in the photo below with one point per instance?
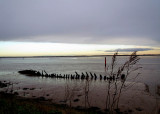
(131, 22)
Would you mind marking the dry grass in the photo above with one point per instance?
(114, 88)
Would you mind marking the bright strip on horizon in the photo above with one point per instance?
(62, 49)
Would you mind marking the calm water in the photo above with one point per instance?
(150, 73)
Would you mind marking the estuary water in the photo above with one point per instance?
(139, 92)
(9, 67)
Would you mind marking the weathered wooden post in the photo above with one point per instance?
(105, 62)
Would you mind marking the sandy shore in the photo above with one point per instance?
(134, 98)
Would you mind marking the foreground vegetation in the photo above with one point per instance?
(12, 104)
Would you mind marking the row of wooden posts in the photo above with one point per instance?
(81, 76)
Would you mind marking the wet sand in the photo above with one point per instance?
(135, 97)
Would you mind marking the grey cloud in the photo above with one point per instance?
(130, 50)
(96, 21)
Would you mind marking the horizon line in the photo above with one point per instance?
(74, 56)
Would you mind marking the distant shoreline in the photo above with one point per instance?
(76, 56)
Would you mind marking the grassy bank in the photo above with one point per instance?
(12, 104)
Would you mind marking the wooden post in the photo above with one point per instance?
(105, 61)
